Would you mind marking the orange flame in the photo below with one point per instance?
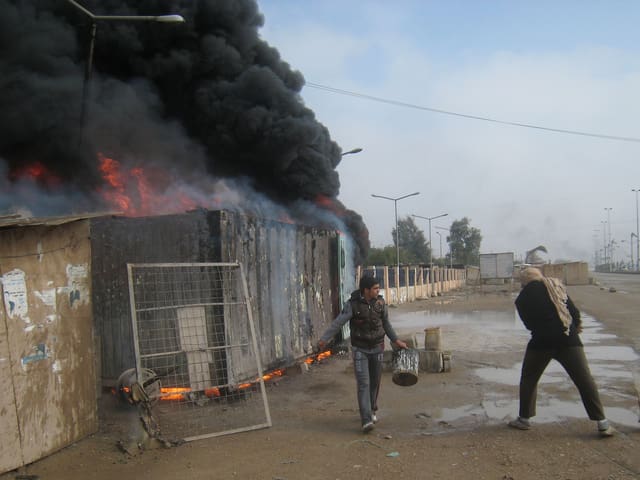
(173, 393)
(116, 195)
(136, 191)
(179, 393)
(330, 204)
(265, 377)
(275, 373)
(318, 358)
(36, 171)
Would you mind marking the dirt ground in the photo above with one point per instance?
(449, 425)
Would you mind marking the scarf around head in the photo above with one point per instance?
(556, 290)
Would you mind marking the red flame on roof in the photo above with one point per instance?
(138, 191)
(37, 172)
(330, 204)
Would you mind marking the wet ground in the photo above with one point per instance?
(491, 332)
(447, 426)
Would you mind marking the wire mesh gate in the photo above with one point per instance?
(193, 328)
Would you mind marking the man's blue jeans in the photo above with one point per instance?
(367, 365)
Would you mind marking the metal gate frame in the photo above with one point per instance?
(253, 341)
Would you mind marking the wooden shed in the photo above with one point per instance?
(48, 381)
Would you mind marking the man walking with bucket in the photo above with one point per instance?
(368, 317)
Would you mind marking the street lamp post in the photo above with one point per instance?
(118, 18)
(450, 251)
(440, 236)
(596, 259)
(604, 242)
(395, 205)
(429, 220)
(636, 190)
(351, 152)
(612, 251)
(608, 209)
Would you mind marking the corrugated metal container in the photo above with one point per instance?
(292, 274)
(47, 354)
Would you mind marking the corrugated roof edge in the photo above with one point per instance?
(18, 221)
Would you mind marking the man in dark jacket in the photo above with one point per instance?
(554, 321)
(368, 319)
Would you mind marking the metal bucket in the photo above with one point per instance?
(432, 339)
(405, 367)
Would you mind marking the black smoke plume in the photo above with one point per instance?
(199, 103)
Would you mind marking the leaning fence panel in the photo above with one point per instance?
(193, 328)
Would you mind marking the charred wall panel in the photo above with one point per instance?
(290, 271)
(46, 304)
(290, 274)
(117, 241)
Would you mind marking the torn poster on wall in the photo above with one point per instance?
(48, 299)
(39, 353)
(14, 290)
(77, 281)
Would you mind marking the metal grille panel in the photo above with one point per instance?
(193, 327)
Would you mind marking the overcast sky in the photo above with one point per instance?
(570, 65)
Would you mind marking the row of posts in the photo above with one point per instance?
(419, 282)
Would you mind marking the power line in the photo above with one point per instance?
(464, 115)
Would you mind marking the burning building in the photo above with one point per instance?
(197, 134)
(68, 318)
(294, 275)
(198, 114)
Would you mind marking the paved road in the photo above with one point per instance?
(627, 282)
(617, 309)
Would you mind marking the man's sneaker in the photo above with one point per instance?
(374, 418)
(367, 427)
(520, 423)
(605, 429)
(607, 432)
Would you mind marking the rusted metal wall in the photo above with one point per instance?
(290, 271)
(116, 241)
(47, 354)
(291, 275)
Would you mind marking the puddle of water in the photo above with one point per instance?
(589, 338)
(611, 365)
(548, 410)
(511, 376)
(608, 371)
(476, 318)
(610, 353)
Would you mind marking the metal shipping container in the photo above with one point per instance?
(292, 271)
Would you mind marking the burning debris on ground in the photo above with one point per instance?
(198, 114)
(154, 391)
(140, 402)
